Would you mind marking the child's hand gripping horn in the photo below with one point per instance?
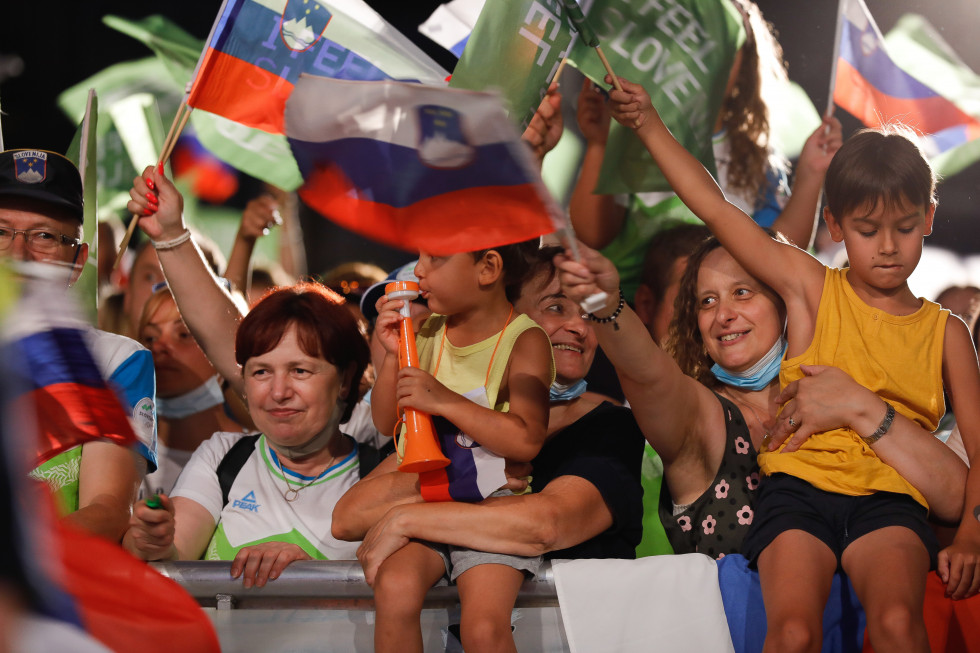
(422, 452)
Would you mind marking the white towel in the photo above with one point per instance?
(664, 603)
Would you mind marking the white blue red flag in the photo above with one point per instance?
(416, 167)
(259, 48)
(451, 24)
(877, 91)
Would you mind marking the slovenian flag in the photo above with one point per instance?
(871, 86)
(416, 167)
(258, 49)
(73, 402)
(451, 24)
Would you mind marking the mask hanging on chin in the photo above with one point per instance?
(205, 396)
(759, 375)
(317, 442)
(563, 392)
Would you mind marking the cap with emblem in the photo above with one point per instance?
(41, 175)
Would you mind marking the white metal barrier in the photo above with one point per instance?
(326, 606)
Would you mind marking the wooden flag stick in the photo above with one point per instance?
(177, 126)
(561, 68)
(605, 63)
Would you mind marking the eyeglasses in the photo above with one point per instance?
(41, 241)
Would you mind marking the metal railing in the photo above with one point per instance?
(327, 584)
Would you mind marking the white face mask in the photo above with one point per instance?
(317, 442)
(205, 396)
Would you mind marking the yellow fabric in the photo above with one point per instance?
(900, 358)
(464, 369)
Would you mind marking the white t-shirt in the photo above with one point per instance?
(257, 510)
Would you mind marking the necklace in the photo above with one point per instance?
(292, 492)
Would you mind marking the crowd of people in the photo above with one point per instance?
(815, 420)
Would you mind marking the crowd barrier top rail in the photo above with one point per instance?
(328, 584)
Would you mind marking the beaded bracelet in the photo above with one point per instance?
(612, 318)
(170, 244)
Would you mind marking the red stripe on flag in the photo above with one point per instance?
(434, 486)
(239, 91)
(70, 414)
(859, 97)
(461, 221)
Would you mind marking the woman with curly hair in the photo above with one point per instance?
(751, 172)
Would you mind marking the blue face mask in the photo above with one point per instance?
(759, 375)
(562, 392)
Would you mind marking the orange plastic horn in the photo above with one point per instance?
(422, 452)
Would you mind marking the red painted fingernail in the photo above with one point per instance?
(148, 211)
(152, 198)
(160, 167)
(150, 184)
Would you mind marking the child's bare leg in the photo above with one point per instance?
(399, 592)
(888, 569)
(486, 595)
(795, 572)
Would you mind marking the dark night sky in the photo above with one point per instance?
(61, 50)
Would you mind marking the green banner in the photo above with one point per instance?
(681, 51)
(515, 48)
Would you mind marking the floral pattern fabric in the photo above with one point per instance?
(718, 520)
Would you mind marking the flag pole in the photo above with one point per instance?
(833, 63)
(176, 127)
(581, 25)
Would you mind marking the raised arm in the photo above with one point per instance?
(764, 258)
(597, 218)
(668, 405)
(546, 126)
(260, 214)
(798, 219)
(210, 312)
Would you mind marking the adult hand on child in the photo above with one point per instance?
(383, 539)
(824, 399)
(157, 204)
(151, 530)
(420, 390)
(260, 563)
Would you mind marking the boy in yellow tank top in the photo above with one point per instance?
(834, 503)
(485, 373)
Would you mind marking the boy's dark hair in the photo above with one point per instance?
(665, 248)
(516, 260)
(876, 166)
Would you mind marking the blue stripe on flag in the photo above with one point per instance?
(60, 356)
(459, 47)
(877, 67)
(395, 175)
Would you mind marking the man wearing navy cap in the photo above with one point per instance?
(41, 209)
(41, 214)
